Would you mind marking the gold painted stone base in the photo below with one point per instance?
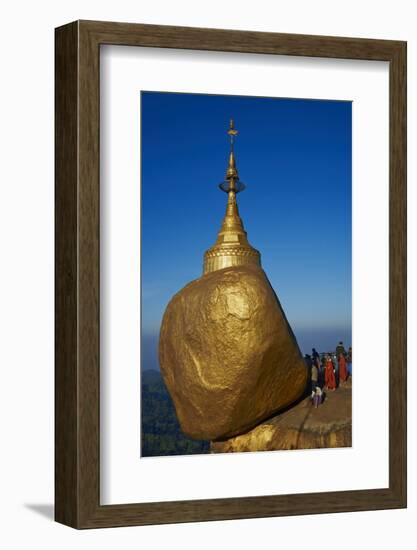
(301, 427)
(227, 353)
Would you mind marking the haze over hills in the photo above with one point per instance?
(322, 339)
(149, 351)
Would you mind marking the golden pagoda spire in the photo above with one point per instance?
(232, 247)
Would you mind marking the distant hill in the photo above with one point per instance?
(161, 432)
(149, 349)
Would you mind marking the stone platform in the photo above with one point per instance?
(299, 427)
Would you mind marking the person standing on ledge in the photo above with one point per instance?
(340, 349)
(322, 370)
(343, 373)
(349, 361)
(314, 377)
(329, 374)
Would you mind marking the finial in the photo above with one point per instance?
(232, 133)
(232, 182)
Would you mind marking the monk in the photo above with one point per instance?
(343, 372)
(329, 377)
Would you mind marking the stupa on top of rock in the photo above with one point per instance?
(232, 247)
(227, 354)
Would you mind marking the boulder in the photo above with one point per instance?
(227, 353)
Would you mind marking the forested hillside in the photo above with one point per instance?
(161, 433)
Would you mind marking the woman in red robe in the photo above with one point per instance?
(329, 377)
(343, 373)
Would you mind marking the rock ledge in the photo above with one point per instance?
(300, 427)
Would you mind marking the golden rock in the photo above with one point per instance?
(227, 353)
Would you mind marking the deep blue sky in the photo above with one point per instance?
(295, 158)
